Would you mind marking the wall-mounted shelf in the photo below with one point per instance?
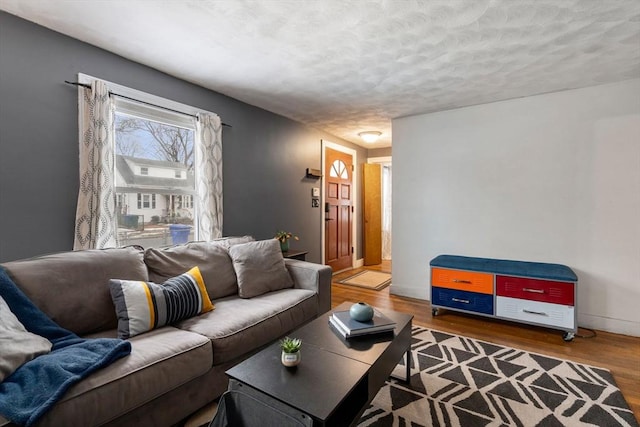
(313, 173)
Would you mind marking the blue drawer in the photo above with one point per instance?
(462, 300)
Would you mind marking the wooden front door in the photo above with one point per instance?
(338, 213)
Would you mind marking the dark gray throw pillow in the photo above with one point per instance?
(259, 267)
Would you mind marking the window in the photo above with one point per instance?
(339, 170)
(155, 157)
(121, 201)
(146, 201)
(187, 201)
(157, 134)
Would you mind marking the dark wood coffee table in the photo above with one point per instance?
(337, 378)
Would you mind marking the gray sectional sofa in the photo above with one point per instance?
(174, 370)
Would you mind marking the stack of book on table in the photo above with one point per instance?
(347, 327)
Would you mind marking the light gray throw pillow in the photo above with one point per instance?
(212, 257)
(259, 267)
(18, 345)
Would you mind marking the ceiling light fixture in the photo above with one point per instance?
(370, 136)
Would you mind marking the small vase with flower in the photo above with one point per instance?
(283, 237)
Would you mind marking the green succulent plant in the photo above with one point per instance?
(290, 345)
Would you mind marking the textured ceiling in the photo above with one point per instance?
(348, 66)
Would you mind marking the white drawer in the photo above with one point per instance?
(543, 313)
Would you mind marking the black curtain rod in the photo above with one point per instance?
(142, 102)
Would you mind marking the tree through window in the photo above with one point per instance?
(155, 177)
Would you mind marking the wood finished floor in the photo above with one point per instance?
(618, 353)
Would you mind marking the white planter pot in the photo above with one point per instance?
(291, 359)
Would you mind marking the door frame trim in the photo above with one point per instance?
(380, 160)
(354, 154)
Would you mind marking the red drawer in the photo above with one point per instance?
(536, 290)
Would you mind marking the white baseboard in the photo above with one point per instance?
(358, 263)
(616, 326)
(408, 291)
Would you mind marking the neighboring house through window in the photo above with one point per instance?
(154, 156)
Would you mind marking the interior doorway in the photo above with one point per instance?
(372, 213)
(385, 201)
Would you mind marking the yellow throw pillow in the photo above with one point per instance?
(143, 306)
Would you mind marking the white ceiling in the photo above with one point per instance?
(348, 66)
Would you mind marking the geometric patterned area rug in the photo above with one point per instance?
(369, 279)
(459, 381)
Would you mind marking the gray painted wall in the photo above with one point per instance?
(379, 152)
(264, 156)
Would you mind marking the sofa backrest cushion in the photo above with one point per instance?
(229, 241)
(72, 288)
(260, 268)
(212, 258)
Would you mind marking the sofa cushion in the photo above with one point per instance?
(227, 242)
(238, 325)
(212, 258)
(160, 361)
(72, 288)
(18, 345)
(259, 267)
(143, 306)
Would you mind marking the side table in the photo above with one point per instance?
(296, 254)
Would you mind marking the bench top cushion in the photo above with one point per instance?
(538, 270)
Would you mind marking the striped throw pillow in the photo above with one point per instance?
(143, 306)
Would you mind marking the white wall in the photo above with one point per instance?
(548, 178)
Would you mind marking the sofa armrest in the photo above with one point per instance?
(316, 277)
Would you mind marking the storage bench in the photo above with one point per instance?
(528, 292)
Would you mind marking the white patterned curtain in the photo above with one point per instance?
(96, 226)
(386, 212)
(209, 181)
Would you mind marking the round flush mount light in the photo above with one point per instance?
(370, 136)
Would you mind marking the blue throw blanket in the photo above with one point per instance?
(37, 385)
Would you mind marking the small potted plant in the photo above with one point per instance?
(283, 237)
(291, 355)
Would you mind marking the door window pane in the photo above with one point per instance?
(339, 170)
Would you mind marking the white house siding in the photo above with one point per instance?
(131, 204)
(156, 171)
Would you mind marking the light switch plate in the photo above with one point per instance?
(315, 192)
